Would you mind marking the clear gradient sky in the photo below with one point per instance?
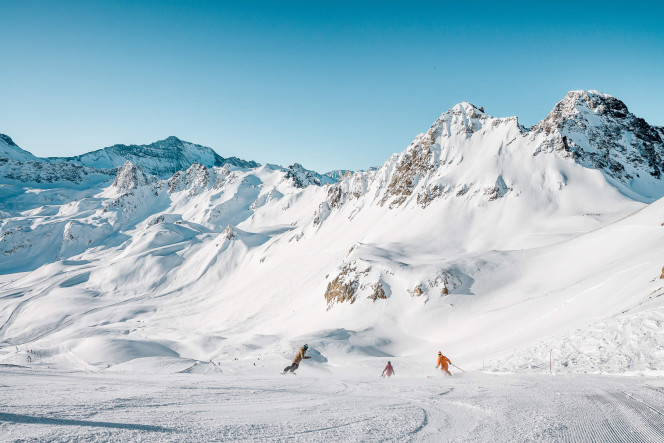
(328, 84)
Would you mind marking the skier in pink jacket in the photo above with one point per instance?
(389, 370)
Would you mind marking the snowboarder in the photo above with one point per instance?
(442, 362)
(389, 370)
(297, 359)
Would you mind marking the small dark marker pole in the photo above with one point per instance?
(550, 352)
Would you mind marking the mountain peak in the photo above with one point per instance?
(599, 132)
(463, 113)
(466, 107)
(594, 101)
(171, 140)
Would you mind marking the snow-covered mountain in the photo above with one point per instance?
(482, 237)
(162, 158)
(598, 131)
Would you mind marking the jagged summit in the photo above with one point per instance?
(583, 102)
(598, 131)
(302, 177)
(462, 118)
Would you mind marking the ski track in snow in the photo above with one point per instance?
(40, 405)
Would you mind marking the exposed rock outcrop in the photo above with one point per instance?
(343, 288)
(130, 177)
(301, 177)
(377, 292)
(196, 179)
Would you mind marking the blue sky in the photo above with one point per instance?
(330, 85)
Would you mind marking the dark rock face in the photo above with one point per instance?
(302, 177)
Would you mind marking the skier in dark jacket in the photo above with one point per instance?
(297, 359)
(389, 370)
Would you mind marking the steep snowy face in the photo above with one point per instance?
(10, 150)
(598, 131)
(466, 154)
(461, 151)
(162, 158)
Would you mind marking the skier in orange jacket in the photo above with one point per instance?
(442, 362)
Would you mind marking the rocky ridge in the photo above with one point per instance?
(588, 128)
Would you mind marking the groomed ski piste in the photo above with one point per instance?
(316, 405)
(140, 307)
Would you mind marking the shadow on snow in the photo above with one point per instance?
(21, 418)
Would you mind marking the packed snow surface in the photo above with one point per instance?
(315, 406)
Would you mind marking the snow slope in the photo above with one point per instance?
(483, 238)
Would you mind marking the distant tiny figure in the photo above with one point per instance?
(389, 370)
(442, 362)
(297, 359)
